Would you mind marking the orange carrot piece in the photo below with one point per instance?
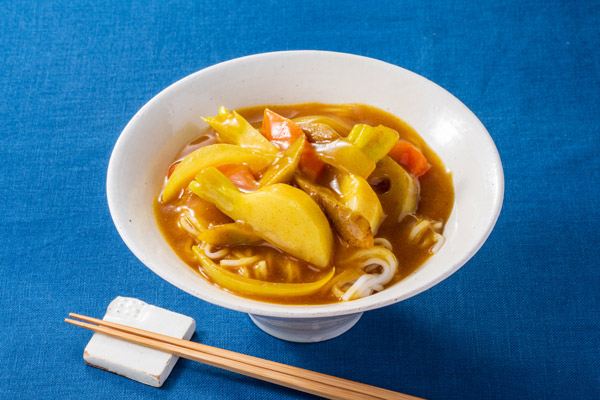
(408, 155)
(282, 132)
(240, 175)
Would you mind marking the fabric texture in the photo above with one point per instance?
(520, 320)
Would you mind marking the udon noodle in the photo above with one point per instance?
(305, 204)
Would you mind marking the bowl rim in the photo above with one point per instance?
(303, 311)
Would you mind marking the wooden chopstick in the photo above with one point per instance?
(296, 378)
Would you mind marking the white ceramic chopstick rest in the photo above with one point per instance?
(133, 361)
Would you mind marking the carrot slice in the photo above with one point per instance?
(240, 175)
(408, 155)
(282, 132)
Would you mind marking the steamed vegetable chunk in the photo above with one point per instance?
(280, 214)
(374, 142)
(233, 128)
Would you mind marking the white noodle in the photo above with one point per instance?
(418, 230)
(239, 262)
(339, 291)
(216, 254)
(260, 269)
(439, 242)
(434, 240)
(371, 268)
(357, 289)
(292, 270)
(190, 223)
(187, 225)
(377, 288)
(383, 243)
(369, 283)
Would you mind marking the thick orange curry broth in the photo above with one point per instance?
(436, 200)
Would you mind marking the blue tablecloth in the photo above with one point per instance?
(520, 320)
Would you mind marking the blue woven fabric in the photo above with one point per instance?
(520, 320)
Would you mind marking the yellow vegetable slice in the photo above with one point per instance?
(376, 142)
(241, 284)
(231, 234)
(233, 128)
(282, 170)
(209, 156)
(345, 156)
(281, 214)
(357, 194)
(402, 197)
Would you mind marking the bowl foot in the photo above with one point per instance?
(305, 330)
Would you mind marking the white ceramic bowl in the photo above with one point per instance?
(162, 127)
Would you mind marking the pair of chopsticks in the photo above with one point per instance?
(300, 379)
